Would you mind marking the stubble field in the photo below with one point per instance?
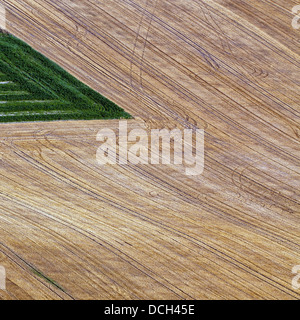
(70, 229)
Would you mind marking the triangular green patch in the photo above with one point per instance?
(33, 88)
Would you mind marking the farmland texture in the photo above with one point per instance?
(70, 229)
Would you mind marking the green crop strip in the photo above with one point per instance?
(52, 282)
(33, 88)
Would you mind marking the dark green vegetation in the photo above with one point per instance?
(33, 88)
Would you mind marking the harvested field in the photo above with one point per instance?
(70, 229)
